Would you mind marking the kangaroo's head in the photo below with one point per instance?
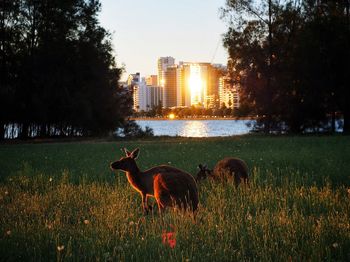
(203, 172)
(126, 163)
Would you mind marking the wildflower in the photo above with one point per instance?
(335, 245)
(169, 239)
(6, 192)
(131, 223)
(60, 248)
(249, 217)
(86, 222)
(50, 179)
(8, 232)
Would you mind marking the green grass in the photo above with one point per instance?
(60, 201)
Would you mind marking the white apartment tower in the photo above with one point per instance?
(140, 92)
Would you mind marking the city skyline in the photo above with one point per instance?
(143, 31)
(183, 84)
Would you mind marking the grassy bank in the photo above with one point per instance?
(60, 201)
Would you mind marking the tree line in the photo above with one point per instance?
(292, 62)
(58, 72)
(192, 112)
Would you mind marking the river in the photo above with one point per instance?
(197, 128)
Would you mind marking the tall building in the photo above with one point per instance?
(154, 92)
(198, 84)
(183, 85)
(151, 80)
(163, 64)
(169, 88)
(140, 93)
(229, 94)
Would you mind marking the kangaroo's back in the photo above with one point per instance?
(173, 188)
(162, 169)
(231, 166)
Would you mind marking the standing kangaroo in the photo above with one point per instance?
(226, 169)
(169, 185)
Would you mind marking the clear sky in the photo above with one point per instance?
(143, 30)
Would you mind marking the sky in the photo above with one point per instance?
(143, 30)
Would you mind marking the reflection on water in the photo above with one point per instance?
(197, 128)
(194, 129)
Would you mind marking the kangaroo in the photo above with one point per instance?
(225, 169)
(170, 186)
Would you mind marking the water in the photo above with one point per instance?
(197, 128)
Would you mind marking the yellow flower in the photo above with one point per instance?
(60, 248)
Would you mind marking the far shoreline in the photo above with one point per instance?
(190, 118)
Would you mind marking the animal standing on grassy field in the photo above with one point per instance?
(170, 186)
(226, 169)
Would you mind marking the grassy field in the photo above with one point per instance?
(60, 201)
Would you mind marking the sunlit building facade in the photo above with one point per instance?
(198, 84)
(169, 88)
(228, 93)
(163, 64)
(151, 80)
(193, 84)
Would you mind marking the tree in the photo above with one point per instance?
(253, 20)
(58, 65)
(290, 58)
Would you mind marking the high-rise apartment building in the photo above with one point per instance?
(198, 84)
(170, 85)
(154, 92)
(229, 94)
(163, 64)
(151, 80)
(140, 93)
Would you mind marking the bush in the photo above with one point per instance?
(132, 129)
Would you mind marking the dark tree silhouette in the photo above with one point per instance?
(58, 73)
(291, 59)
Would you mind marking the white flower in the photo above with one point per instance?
(60, 248)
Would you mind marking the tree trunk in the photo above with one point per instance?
(2, 130)
(24, 131)
(333, 122)
(346, 126)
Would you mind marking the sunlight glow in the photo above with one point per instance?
(195, 84)
(171, 116)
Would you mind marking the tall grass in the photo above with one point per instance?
(61, 202)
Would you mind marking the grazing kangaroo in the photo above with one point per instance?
(170, 186)
(224, 170)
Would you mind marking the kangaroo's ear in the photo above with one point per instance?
(134, 154)
(127, 152)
